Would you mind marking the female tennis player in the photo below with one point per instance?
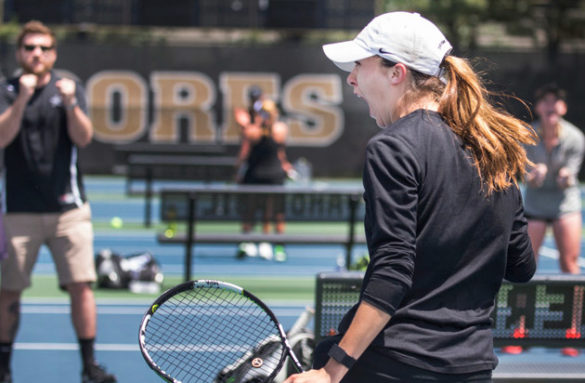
(444, 216)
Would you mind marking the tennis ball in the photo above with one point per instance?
(116, 222)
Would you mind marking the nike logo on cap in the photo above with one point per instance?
(383, 51)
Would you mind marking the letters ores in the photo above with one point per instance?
(125, 108)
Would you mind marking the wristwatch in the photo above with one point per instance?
(339, 355)
(72, 105)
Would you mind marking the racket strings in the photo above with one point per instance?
(199, 333)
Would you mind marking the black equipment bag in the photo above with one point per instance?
(115, 271)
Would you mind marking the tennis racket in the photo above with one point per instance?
(213, 332)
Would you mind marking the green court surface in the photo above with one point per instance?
(281, 289)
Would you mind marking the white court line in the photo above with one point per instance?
(64, 309)
(554, 254)
(74, 346)
(126, 301)
(30, 346)
(146, 302)
(42, 268)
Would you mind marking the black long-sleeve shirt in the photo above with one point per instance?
(439, 246)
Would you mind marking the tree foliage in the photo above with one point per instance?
(549, 23)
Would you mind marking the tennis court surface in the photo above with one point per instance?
(46, 348)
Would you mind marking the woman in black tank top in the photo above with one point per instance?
(265, 164)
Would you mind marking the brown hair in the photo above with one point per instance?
(35, 27)
(271, 108)
(494, 137)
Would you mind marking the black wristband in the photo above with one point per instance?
(339, 355)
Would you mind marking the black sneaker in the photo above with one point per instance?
(97, 374)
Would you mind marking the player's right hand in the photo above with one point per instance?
(242, 117)
(28, 83)
(537, 175)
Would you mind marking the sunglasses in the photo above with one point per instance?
(44, 48)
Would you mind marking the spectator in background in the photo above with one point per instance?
(265, 164)
(244, 117)
(43, 122)
(552, 187)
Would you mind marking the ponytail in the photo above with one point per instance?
(494, 137)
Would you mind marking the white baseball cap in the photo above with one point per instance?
(401, 37)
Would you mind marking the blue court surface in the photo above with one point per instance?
(46, 347)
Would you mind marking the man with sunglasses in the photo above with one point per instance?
(43, 122)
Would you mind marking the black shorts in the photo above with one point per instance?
(530, 217)
(373, 367)
(264, 208)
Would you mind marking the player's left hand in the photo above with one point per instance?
(565, 178)
(292, 174)
(66, 89)
(537, 175)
